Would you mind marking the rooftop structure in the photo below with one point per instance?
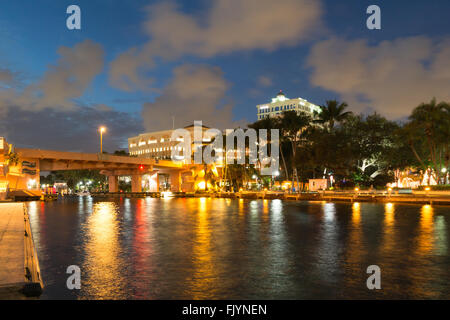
(281, 103)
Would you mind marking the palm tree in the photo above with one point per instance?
(292, 126)
(271, 123)
(332, 112)
(431, 120)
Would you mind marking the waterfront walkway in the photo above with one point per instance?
(19, 268)
(438, 198)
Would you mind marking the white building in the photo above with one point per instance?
(159, 145)
(282, 103)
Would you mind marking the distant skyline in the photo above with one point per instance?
(136, 64)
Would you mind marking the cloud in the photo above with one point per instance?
(194, 93)
(228, 26)
(47, 113)
(62, 82)
(392, 77)
(6, 76)
(69, 131)
(265, 81)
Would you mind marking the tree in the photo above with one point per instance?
(428, 134)
(268, 124)
(371, 138)
(121, 153)
(292, 125)
(73, 177)
(331, 113)
(356, 149)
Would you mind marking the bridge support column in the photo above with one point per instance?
(154, 183)
(113, 182)
(136, 183)
(175, 181)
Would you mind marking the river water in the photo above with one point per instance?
(201, 248)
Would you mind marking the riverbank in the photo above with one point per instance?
(440, 198)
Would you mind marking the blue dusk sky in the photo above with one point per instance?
(135, 65)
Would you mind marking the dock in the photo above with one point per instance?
(437, 198)
(20, 275)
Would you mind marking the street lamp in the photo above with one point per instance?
(101, 129)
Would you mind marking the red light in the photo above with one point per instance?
(141, 167)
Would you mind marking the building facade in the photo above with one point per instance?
(159, 144)
(281, 104)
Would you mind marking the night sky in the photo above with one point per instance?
(136, 64)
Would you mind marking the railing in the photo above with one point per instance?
(33, 278)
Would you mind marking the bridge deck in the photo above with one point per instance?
(93, 158)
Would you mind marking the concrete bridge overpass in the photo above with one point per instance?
(32, 161)
(110, 165)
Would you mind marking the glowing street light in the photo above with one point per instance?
(101, 129)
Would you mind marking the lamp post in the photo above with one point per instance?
(101, 129)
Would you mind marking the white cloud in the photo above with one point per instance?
(391, 77)
(228, 26)
(64, 81)
(194, 93)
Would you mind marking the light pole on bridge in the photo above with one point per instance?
(101, 129)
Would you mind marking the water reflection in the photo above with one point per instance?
(329, 244)
(143, 251)
(440, 236)
(265, 206)
(389, 243)
(102, 269)
(204, 276)
(33, 216)
(279, 254)
(389, 215)
(356, 214)
(201, 248)
(425, 238)
(355, 249)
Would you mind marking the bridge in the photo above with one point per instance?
(23, 173)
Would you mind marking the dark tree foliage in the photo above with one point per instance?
(362, 150)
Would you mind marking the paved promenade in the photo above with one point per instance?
(18, 262)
